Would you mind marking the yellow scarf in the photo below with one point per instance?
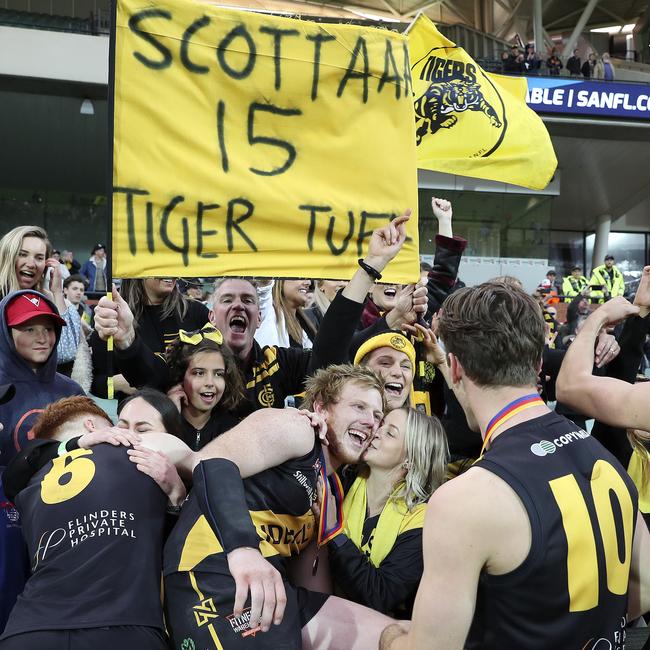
(393, 520)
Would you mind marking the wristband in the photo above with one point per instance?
(371, 271)
(220, 492)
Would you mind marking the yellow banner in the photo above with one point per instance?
(247, 144)
(471, 122)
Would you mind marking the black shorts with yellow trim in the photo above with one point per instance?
(198, 608)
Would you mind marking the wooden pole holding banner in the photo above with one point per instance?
(110, 390)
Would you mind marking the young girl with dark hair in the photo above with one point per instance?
(207, 385)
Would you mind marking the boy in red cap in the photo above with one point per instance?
(30, 328)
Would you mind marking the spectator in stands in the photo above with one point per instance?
(26, 263)
(573, 65)
(71, 264)
(505, 55)
(377, 559)
(577, 313)
(514, 64)
(382, 298)
(575, 284)
(589, 67)
(151, 313)
(554, 65)
(606, 281)
(283, 323)
(56, 255)
(549, 285)
(325, 292)
(74, 289)
(193, 288)
(531, 60)
(30, 328)
(605, 68)
(207, 385)
(25, 256)
(94, 269)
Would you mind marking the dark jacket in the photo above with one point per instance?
(573, 65)
(34, 390)
(143, 361)
(219, 422)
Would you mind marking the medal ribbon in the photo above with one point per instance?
(509, 411)
(325, 534)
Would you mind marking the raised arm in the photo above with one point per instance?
(449, 250)
(609, 400)
(340, 322)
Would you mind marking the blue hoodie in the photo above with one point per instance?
(34, 391)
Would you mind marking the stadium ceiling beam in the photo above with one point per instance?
(561, 19)
(447, 5)
(548, 41)
(504, 5)
(391, 9)
(547, 5)
(423, 7)
(580, 25)
(616, 17)
(509, 20)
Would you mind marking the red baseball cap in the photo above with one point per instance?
(26, 306)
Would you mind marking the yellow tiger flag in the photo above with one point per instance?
(471, 122)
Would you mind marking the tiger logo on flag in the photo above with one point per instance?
(435, 109)
(456, 105)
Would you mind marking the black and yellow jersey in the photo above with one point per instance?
(571, 591)
(93, 525)
(279, 502)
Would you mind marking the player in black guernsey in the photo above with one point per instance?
(235, 537)
(93, 525)
(538, 543)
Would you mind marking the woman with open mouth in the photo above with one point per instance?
(377, 560)
(207, 385)
(26, 262)
(283, 320)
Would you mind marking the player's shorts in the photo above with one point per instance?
(198, 609)
(122, 637)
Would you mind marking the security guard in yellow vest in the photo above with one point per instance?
(607, 281)
(575, 284)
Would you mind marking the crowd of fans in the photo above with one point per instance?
(196, 364)
(533, 63)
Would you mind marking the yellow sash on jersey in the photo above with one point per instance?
(634, 470)
(393, 520)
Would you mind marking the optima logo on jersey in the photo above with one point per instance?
(546, 447)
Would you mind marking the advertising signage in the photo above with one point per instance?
(578, 97)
